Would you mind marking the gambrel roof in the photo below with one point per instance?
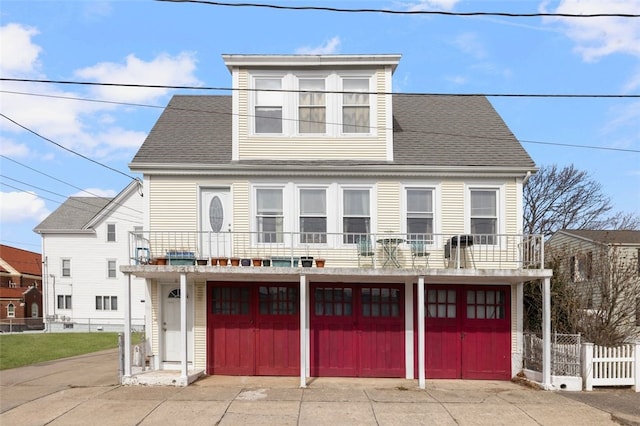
(428, 130)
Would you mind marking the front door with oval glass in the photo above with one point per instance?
(215, 222)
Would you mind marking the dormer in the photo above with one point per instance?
(312, 107)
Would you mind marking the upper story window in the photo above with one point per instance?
(356, 214)
(111, 269)
(269, 102)
(269, 215)
(312, 108)
(484, 215)
(66, 267)
(331, 104)
(313, 215)
(355, 106)
(111, 232)
(419, 214)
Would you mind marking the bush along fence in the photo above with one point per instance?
(605, 366)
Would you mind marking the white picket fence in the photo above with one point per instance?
(605, 366)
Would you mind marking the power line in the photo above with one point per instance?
(292, 119)
(61, 195)
(67, 149)
(66, 183)
(231, 89)
(58, 202)
(407, 12)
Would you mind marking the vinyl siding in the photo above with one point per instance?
(200, 326)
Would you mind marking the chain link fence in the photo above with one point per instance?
(565, 354)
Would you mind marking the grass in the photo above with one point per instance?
(17, 350)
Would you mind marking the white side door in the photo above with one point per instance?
(215, 222)
(171, 324)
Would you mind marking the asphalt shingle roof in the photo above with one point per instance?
(607, 236)
(429, 130)
(73, 214)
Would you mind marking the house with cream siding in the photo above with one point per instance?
(85, 241)
(313, 223)
(604, 266)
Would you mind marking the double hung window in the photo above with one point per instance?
(356, 216)
(66, 267)
(355, 106)
(484, 215)
(269, 215)
(313, 216)
(111, 269)
(106, 303)
(268, 105)
(64, 301)
(420, 214)
(312, 109)
(111, 232)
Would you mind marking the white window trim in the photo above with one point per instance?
(62, 268)
(437, 217)
(115, 233)
(286, 216)
(372, 210)
(116, 269)
(500, 208)
(333, 103)
(11, 313)
(330, 207)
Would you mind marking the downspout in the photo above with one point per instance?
(526, 178)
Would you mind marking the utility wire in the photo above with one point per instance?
(64, 196)
(232, 89)
(67, 149)
(407, 12)
(71, 205)
(66, 183)
(194, 110)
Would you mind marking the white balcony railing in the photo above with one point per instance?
(377, 250)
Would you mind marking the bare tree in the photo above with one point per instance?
(556, 199)
(596, 294)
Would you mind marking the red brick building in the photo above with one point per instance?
(20, 289)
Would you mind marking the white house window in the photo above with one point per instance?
(11, 310)
(355, 106)
(111, 232)
(66, 267)
(269, 215)
(356, 215)
(312, 109)
(313, 216)
(106, 303)
(111, 269)
(268, 105)
(484, 215)
(64, 301)
(419, 214)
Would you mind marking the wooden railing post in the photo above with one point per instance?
(586, 360)
(636, 366)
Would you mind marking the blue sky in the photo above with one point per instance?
(163, 43)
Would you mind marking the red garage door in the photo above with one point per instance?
(357, 331)
(468, 332)
(253, 329)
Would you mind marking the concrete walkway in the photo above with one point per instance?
(84, 390)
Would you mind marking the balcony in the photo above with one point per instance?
(378, 251)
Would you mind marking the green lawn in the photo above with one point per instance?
(17, 350)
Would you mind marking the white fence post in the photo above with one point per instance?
(587, 365)
(636, 366)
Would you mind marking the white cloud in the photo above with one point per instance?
(471, 44)
(427, 5)
(95, 192)
(457, 79)
(16, 207)
(13, 149)
(18, 56)
(163, 70)
(598, 37)
(330, 47)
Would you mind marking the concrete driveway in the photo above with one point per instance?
(84, 390)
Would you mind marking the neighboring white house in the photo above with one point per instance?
(85, 241)
(414, 203)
